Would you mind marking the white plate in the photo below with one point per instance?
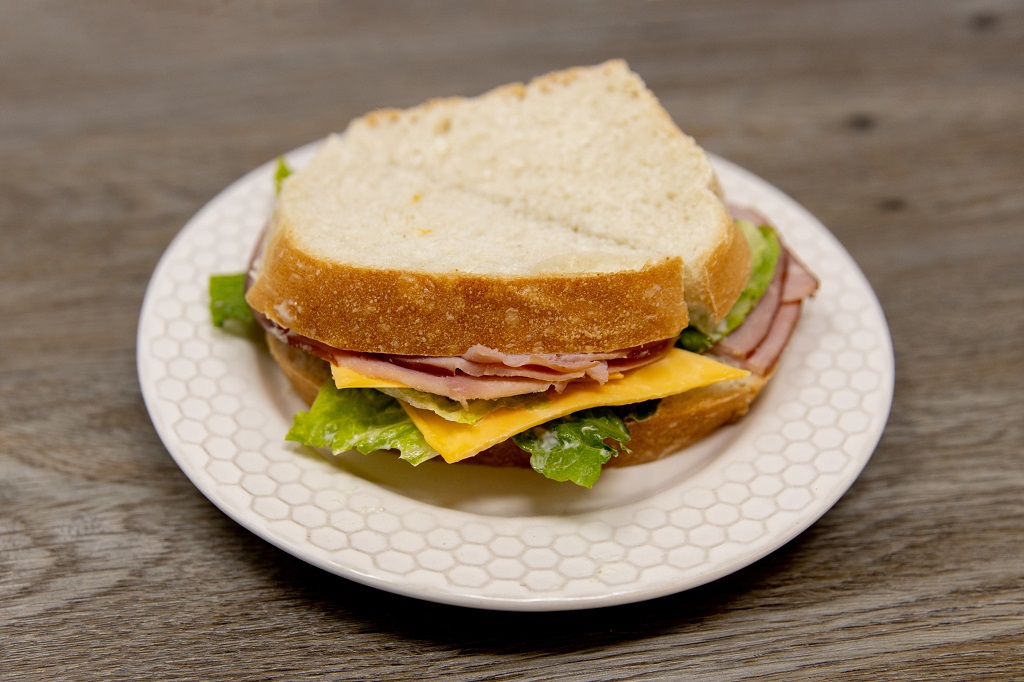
(510, 539)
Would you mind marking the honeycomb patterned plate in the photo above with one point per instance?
(510, 539)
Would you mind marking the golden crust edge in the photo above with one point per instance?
(726, 271)
(424, 313)
(514, 90)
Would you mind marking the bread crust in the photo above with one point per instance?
(680, 420)
(444, 313)
(726, 271)
(306, 373)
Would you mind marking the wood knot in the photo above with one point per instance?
(984, 21)
(861, 121)
(892, 204)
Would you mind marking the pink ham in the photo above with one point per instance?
(594, 365)
(457, 386)
(464, 379)
(745, 338)
(454, 365)
(763, 360)
(560, 361)
(800, 283)
(757, 343)
(480, 361)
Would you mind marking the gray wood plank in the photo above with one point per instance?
(898, 124)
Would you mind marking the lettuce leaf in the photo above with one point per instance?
(362, 419)
(454, 411)
(573, 448)
(282, 171)
(228, 307)
(765, 251)
(694, 340)
(570, 448)
(227, 292)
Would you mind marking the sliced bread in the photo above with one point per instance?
(560, 216)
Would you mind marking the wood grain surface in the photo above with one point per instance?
(899, 124)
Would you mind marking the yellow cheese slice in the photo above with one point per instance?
(677, 372)
(346, 378)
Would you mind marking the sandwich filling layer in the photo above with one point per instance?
(481, 373)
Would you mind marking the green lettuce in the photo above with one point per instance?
(573, 448)
(694, 340)
(454, 411)
(360, 419)
(765, 251)
(282, 171)
(228, 307)
(227, 292)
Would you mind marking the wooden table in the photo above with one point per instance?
(901, 125)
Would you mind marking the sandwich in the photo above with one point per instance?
(546, 275)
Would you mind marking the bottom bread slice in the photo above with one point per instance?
(680, 421)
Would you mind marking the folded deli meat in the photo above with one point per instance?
(481, 373)
(759, 341)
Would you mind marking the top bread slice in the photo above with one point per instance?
(567, 215)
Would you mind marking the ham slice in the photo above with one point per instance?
(481, 361)
(454, 365)
(758, 343)
(462, 379)
(455, 386)
(483, 373)
(745, 339)
(800, 283)
(755, 343)
(566, 362)
(764, 358)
